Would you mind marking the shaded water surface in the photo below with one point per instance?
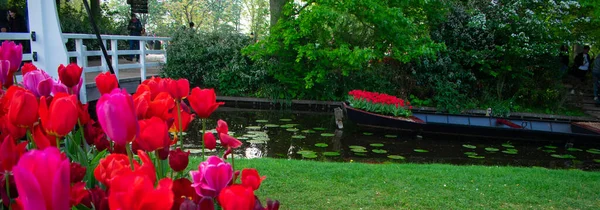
(313, 136)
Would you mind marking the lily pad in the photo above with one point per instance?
(261, 121)
(298, 137)
(510, 152)
(597, 160)
(491, 149)
(476, 157)
(331, 154)
(321, 145)
(359, 150)
(567, 156)
(573, 149)
(285, 120)
(292, 129)
(396, 157)
(470, 153)
(287, 126)
(508, 145)
(420, 150)
(594, 151)
(257, 142)
(305, 152)
(309, 156)
(356, 147)
(271, 125)
(308, 131)
(469, 146)
(550, 147)
(549, 151)
(367, 134)
(319, 129)
(391, 136)
(379, 151)
(376, 145)
(242, 138)
(360, 154)
(253, 127)
(327, 134)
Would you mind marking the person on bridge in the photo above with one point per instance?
(135, 29)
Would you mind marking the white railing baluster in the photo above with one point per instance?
(143, 60)
(104, 65)
(114, 49)
(82, 62)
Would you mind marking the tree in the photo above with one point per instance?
(256, 11)
(276, 8)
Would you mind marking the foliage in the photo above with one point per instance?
(379, 103)
(213, 59)
(321, 37)
(256, 12)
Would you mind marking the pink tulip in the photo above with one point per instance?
(38, 82)
(212, 176)
(6, 76)
(59, 87)
(42, 179)
(13, 53)
(117, 117)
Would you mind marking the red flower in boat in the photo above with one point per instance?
(204, 102)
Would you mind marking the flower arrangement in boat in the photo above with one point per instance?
(379, 103)
(53, 155)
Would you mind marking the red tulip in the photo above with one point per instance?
(237, 197)
(8, 129)
(116, 115)
(179, 89)
(6, 76)
(22, 110)
(98, 198)
(141, 102)
(156, 86)
(84, 114)
(204, 102)
(70, 75)
(115, 165)
(222, 127)
(161, 106)
(186, 119)
(136, 192)
(229, 142)
(27, 67)
(77, 193)
(153, 134)
(41, 139)
(106, 82)
(182, 189)
(61, 116)
(250, 178)
(77, 172)
(10, 153)
(42, 179)
(209, 140)
(178, 160)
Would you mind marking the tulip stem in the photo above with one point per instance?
(6, 174)
(172, 175)
(30, 139)
(180, 125)
(57, 142)
(130, 155)
(203, 132)
(232, 162)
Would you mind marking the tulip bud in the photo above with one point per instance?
(209, 140)
(178, 160)
(106, 82)
(70, 75)
(188, 205)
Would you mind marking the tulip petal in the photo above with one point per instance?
(28, 187)
(61, 185)
(218, 177)
(44, 88)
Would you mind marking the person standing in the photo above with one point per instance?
(581, 66)
(17, 24)
(135, 29)
(596, 76)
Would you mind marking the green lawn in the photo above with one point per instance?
(318, 185)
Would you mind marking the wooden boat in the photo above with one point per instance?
(479, 126)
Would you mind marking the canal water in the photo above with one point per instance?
(313, 136)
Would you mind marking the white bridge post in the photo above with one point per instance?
(48, 49)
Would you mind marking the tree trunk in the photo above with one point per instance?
(95, 7)
(276, 7)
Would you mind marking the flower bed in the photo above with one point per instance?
(379, 103)
(54, 156)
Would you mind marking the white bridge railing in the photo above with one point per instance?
(81, 53)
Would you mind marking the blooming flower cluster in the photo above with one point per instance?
(53, 155)
(379, 103)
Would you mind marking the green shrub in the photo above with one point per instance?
(213, 60)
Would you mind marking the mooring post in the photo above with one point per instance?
(339, 116)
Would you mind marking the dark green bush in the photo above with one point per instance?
(213, 60)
